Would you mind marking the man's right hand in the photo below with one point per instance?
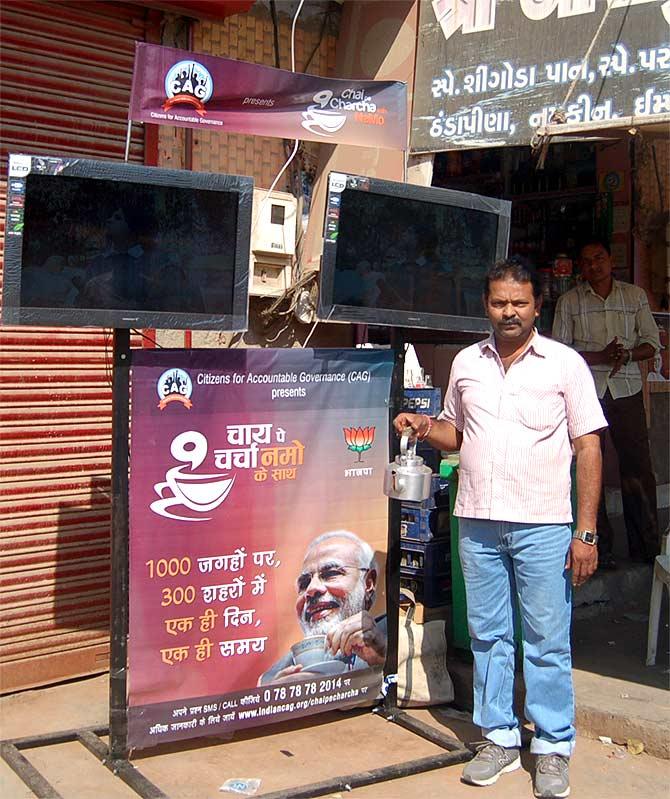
(613, 352)
(417, 421)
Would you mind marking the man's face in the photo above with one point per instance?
(595, 263)
(332, 585)
(116, 225)
(512, 309)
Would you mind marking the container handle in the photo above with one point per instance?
(408, 443)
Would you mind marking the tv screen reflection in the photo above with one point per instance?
(410, 255)
(108, 244)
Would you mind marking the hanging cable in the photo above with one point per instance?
(297, 141)
(539, 143)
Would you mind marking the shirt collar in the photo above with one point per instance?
(588, 289)
(536, 344)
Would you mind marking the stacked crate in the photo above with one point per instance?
(425, 551)
(428, 401)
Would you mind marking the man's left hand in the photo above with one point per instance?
(358, 635)
(583, 560)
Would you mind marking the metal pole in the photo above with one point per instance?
(127, 154)
(118, 720)
(393, 541)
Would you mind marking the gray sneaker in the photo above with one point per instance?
(489, 763)
(551, 776)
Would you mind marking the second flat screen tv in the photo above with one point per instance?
(408, 256)
(99, 243)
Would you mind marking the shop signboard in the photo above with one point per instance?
(491, 72)
(193, 90)
(239, 460)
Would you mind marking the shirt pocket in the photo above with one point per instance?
(539, 410)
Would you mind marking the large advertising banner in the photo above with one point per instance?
(258, 536)
(491, 73)
(193, 90)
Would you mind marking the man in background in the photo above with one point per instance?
(336, 589)
(610, 324)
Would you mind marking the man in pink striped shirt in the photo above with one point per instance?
(517, 406)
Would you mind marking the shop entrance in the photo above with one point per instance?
(577, 194)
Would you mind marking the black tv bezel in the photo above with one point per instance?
(327, 311)
(14, 313)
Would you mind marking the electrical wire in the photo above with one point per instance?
(148, 338)
(306, 341)
(614, 46)
(539, 143)
(297, 141)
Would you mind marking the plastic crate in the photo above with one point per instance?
(419, 525)
(431, 456)
(439, 495)
(425, 560)
(432, 593)
(422, 400)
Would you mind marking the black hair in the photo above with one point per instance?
(592, 241)
(513, 270)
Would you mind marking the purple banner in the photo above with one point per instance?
(258, 536)
(192, 90)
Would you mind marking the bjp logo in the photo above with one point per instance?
(359, 439)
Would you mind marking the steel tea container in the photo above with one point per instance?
(408, 478)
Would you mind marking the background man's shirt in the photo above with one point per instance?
(587, 322)
(517, 426)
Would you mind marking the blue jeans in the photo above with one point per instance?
(503, 562)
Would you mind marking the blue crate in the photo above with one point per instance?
(431, 593)
(426, 560)
(431, 456)
(439, 495)
(417, 524)
(422, 400)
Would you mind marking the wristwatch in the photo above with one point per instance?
(587, 536)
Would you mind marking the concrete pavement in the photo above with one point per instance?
(288, 755)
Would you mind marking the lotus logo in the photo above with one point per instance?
(359, 439)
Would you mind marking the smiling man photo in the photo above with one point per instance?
(336, 589)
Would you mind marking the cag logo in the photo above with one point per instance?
(174, 385)
(188, 83)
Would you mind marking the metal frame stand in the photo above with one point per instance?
(115, 756)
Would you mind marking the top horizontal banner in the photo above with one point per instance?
(192, 90)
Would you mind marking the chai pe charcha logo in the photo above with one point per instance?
(359, 439)
(321, 118)
(185, 490)
(188, 83)
(174, 385)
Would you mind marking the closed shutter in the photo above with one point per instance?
(65, 72)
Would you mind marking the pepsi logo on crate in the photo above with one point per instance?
(422, 400)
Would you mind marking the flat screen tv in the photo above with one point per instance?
(100, 243)
(408, 256)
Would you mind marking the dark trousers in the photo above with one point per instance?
(628, 428)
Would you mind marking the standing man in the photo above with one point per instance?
(516, 405)
(609, 323)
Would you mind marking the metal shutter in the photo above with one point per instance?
(65, 73)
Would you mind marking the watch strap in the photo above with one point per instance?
(587, 536)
